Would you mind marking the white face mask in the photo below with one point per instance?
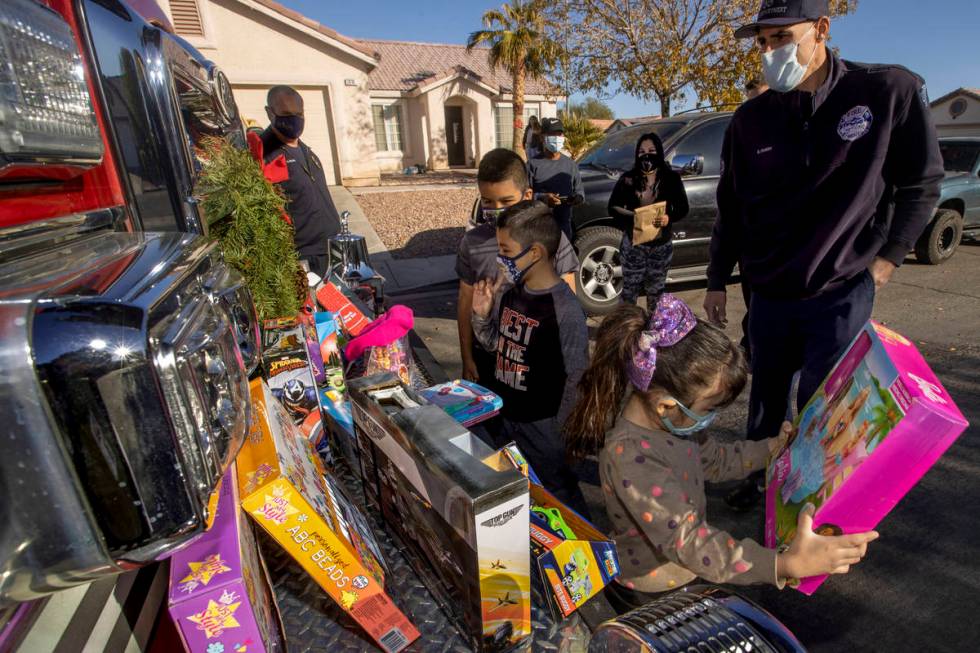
(781, 67)
(554, 143)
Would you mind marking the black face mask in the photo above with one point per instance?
(289, 126)
(649, 161)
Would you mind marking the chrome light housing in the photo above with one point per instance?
(123, 400)
(46, 113)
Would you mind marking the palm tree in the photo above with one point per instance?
(519, 43)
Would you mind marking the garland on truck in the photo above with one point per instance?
(244, 214)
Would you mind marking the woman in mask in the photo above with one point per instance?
(649, 181)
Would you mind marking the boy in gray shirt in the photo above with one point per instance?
(537, 328)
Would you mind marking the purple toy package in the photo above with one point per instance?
(879, 421)
(220, 593)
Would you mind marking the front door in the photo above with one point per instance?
(454, 136)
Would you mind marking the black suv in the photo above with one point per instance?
(692, 145)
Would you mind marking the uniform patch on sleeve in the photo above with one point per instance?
(924, 95)
(855, 123)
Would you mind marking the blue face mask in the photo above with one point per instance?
(515, 275)
(554, 143)
(701, 422)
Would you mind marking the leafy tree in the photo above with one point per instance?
(591, 108)
(580, 134)
(662, 49)
(517, 36)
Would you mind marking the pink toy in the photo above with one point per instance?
(394, 324)
(880, 420)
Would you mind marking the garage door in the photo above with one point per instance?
(251, 105)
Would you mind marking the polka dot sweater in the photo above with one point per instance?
(653, 485)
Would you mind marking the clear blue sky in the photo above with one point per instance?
(937, 39)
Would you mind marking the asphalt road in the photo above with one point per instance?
(919, 587)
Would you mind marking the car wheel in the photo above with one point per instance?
(941, 238)
(599, 280)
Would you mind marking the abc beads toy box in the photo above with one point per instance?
(878, 422)
(463, 524)
(284, 489)
(220, 597)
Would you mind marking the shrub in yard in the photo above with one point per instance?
(244, 214)
(580, 134)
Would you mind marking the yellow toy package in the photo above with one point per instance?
(285, 489)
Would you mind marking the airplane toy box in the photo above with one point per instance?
(220, 596)
(285, 489)
(575, 560)
(878, 422)
(462, 524)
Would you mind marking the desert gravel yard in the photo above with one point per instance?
(419, 223)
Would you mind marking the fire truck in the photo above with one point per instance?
(126, 342)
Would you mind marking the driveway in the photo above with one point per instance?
(918, 589)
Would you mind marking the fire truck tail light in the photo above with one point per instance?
(46, 112)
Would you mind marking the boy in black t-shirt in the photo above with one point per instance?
(502, 181)
(537, 328)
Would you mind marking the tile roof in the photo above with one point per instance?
(974, 92)
(601, 123)
(405, 65)
(314, 25)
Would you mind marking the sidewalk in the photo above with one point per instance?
(401, 275)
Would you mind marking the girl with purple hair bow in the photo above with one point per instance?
(655, 381)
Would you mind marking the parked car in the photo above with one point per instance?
(692, 146)
(959, 202)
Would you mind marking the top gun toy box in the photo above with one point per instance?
(463, 523)
(877, 423)
(284, 490)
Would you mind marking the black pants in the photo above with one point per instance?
(806, 335)
(542, 444)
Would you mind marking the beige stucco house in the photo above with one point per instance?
(371, 106)
(958, 113)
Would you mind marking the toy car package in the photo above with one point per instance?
(878, 422)
(574, 559)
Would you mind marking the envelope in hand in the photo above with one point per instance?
(645, 220)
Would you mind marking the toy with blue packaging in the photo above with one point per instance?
(466, 402)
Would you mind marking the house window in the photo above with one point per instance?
(503, 119)
(388, 135)
(186, 17)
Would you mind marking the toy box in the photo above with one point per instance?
(462, 523)
(282, 336)
(466, 402)
(291, 381)
(574, 559)
(284, 489)
(220, 596)
(877, 423)
(351, 317)
(333, 392)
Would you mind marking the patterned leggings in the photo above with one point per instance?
(645, 269)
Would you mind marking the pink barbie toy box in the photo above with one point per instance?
(220, 596)
(879, 421)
